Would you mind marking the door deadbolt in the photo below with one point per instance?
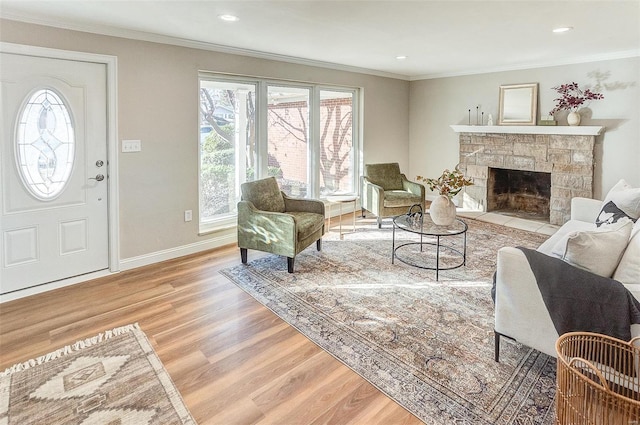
(99, 177)
(99, 163)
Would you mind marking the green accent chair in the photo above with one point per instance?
(270, 221)
(386, 192)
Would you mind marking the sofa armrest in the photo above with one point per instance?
(520, 312)
(585, 209)
(413, 187)
(303, 205)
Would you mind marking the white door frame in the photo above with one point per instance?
(111, 63)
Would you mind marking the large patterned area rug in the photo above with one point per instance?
(427, 344)
(112, 378)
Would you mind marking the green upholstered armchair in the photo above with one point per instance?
(270, 221)
(386, 192)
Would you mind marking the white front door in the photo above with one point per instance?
(54, 177)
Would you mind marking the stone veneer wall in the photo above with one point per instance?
(568, 158)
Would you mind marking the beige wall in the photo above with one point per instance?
(437, 103)
(157, 103)
(404, 122)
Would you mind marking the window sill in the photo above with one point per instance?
(215, 226)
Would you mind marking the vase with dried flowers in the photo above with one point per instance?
(448, 185)
(571, 98)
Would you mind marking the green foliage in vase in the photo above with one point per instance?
(449, 184)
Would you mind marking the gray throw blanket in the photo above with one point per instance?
(580, 301)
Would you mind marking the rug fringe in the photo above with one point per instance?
(76, 346)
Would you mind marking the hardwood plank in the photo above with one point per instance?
(294, 384)
(352, 406)
(232, 359)
(240, 413)
(317, 397)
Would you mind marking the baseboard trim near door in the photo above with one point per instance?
(38, 289)
(180, 251)
(126, 264)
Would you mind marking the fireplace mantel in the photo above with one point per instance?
(585, 130)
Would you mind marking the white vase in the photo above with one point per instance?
(573, 118)
(442, 211)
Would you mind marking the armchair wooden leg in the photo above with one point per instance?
(363, 212)
(319, 244)
(243, 255)
(290, 261)
(379, 223)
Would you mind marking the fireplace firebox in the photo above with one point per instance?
(520, 193)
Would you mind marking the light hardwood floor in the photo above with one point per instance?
(233, 360)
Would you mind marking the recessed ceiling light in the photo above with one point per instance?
(562, 29)
(401, 57)
(229, 18)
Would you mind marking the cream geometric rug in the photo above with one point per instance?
(114, 378)
(426, 344)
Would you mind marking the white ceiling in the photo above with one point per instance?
(440, 38)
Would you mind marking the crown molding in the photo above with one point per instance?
(625, 54)
(195, 44)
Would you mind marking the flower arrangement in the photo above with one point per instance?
(449, 184)
(572, 97)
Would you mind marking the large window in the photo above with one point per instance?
(337, 153)
(227, 142)
(288, 137)
(303, 134)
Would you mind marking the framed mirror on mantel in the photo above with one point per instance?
(518, 104)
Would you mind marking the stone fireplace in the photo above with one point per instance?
(566, 159)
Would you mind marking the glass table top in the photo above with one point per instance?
(426, 226)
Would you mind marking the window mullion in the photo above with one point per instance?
(314, 143)
(357, 140)
(262, 110)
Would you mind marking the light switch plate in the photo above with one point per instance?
(131, 146)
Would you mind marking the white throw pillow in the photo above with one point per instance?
(628, 270)
(597, 251)
(621, 201)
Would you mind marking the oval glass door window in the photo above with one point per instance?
(45, 144)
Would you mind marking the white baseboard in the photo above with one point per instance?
(52, 285)
(180, 251)
(126, 264)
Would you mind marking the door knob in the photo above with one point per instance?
(99, 177)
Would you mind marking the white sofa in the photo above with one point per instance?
(520, 312)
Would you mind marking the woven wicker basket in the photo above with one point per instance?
(598, 381)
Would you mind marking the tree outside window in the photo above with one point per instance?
(227, 145)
